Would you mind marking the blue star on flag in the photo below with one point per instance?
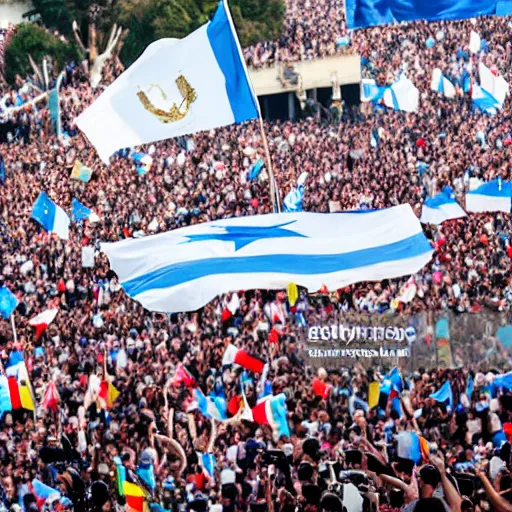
(245, 235)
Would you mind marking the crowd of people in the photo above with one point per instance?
(340, 451)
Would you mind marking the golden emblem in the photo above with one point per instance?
(175, 113)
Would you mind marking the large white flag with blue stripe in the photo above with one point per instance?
(493, 196)
(177, 87)
(183, 270)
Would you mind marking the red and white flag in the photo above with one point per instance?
(233, 355)
(51, 398)
(43, 320)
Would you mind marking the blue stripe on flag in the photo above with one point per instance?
(302, 264)
(227, 53)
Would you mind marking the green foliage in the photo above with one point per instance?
(32, 40)
(149, 20)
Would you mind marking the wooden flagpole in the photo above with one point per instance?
(273, 185)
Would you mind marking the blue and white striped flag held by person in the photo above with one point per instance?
(177, 87)
(184, 269)
(52, 217)
(441, 207)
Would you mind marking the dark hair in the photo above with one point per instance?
(429, 505)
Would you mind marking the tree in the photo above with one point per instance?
(32, 41)
(96, 23)
(149, 20)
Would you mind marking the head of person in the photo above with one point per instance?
(428, 480)
(429, 505)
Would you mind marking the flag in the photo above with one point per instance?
(197, 263)
(25, 389)
(494, 85)
(402, 95)
(273, 412)
(182, 376)
(177, 87)
(442, 207)
(52, 217)
(120, 475)
(5, 396)
(135, 496)
(2, 171)
(80, 212)
(320, 388)
(211, 407)
(43, 320)
(42, 491)
(293, 200)
(354, 403)
(475, 42)
(80, 172)
(370, 13)
(8, 302)
(146, 472)
(373, 394)
(51, 398)
(207, 462)
(444, 394)
(108, 394)
(233, 355)
(492, 196)
(14, 363)
(255, 169)
(442, 85)
(409, 446)
(370, 91)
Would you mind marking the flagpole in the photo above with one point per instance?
(273, 191)
(14, 329)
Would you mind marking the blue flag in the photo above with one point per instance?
(469, 387)
(79, 211)
(444, 394)
(2, 171)
(8, 302)
(255, 169)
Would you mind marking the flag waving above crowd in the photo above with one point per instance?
(177, 87)
(268, 251)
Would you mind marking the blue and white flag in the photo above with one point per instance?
(184, 269)
(402, 95)
(493, 196)
(177, 87)
(442, 85)
(441, 207)
(211, 407)
(52, 217)
(370, 91)
(81, 212)
(293, 200)
(8, 302)
(207, 462)
(490, 95)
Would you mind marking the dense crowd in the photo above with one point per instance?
(80, 448)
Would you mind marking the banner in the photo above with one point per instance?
(369, 13)
(444, 351)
